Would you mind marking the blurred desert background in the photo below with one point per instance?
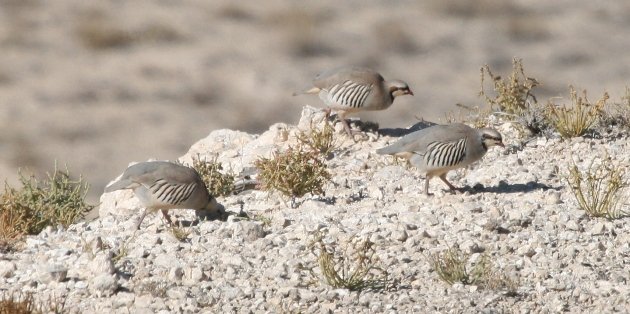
(98, 84)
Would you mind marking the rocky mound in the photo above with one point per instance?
(517, 209)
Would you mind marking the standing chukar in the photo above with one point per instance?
(353, 89)
(439, 149)
(162, 185)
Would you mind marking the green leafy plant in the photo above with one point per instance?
(513, 94)
(354, 268)
(579, 118)
(452, 267)
(58, 200)
(599, 189)
(218, 182)
(294, 172)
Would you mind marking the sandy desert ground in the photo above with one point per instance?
(98, 84)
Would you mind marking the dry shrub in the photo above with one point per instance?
(511, 95)
(218, 182)
(58, 200)
(24, 303)
(452, 266)
(617, 113)
(301, 169)
(294, 172)
(317, 140)
(577, 119)
(354, 267)
(600, 188)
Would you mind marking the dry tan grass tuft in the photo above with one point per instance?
(617, 113)
(452, 267)
(577, 119)
(599, 190)
(25, 303)
(321, 141)
(355, 267)
(511, 95)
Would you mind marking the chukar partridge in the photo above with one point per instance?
(353, 89)
(439, 149)
(162, 185)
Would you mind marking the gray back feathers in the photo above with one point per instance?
(161, 184)
(355, 88)
(440, 147)
(173, 193)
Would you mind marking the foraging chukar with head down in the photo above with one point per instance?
(439, 149)
(162, 185)
(353, 89)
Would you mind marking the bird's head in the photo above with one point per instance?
(213, 210)
(399, 88)
(491, 137)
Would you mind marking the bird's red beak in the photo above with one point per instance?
(501, 144)
(409, 92)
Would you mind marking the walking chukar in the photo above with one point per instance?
(439, 149)
(162, 185)
(353, 89)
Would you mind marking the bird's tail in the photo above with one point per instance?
(313, 90)
(118, 185)
(388, 150)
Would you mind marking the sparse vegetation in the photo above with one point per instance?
(180, 232)
(58, 200)
(218, 182)
(294, 172)
(579, 118)
(452, 267)
(354, 267)
(535, 119)
(24, 303)
(319, 140)
(121, 252)
(513, 94)
(156, 288)
(300, 169)
(617, 113)
(599, 189)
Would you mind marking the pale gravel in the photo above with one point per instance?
(520, 212)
